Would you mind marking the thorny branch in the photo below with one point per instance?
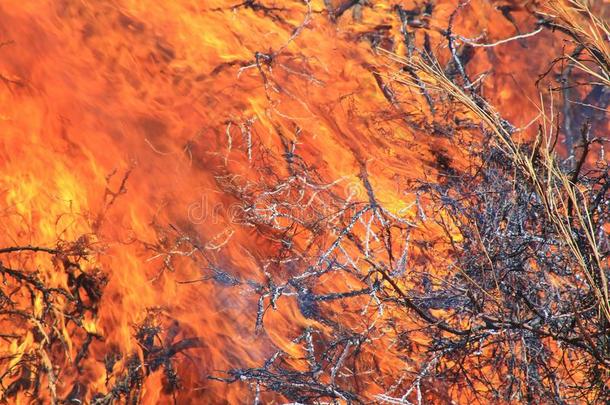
(501, 299)
(492, 287)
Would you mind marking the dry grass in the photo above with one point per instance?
(577, 19)
(563, 200)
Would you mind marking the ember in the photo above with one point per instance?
(304, 202)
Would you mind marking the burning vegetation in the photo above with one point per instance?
(305, 202)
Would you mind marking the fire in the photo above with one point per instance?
(175, 175)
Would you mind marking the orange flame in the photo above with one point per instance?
(134, 129)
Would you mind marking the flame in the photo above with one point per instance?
(128, 127)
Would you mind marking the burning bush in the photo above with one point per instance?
(383, 225)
